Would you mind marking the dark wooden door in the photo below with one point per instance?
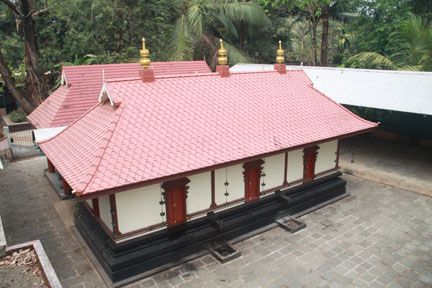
(309, 159)
(176, 207)
(252, 175)
(252, 184)
(175, 201)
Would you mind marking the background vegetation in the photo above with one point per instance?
(38, 37)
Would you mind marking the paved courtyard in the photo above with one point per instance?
(27, 208)
(380, 236)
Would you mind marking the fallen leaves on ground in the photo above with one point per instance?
(24, 257)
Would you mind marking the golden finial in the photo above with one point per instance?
(280, 59)
(145, 60)
(222, 59)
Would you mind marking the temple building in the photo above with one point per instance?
(164, 164)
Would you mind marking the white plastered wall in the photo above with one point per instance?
(295, 165)
(90, 203)
(199, 193)
(139, 208)
(326, 158)
(274, 168)
(105, 211)
(234, 176)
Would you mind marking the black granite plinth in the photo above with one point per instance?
(136, 256)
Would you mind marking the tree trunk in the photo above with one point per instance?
(314, 39)
(36, 87)
(242, 33)
(213, 52)
(324, 35)
(11, 84)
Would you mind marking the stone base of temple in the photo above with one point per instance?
(56, 183)
(145, 254)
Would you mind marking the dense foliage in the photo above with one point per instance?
(16, 116)
(384, 34)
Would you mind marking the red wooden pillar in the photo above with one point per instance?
(175, 201)
(95, 205)
(114, 218)
(285, 182)
(252, 174)
(309, 159)
(66, 187)
(213, 190)
(51, 168)
(337, 155)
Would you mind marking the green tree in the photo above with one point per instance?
(337, 10)
(374, 24)
(35, 89)
(110, 29)
(202, 22)
(413, 49)
(422, 8)
(300, 48)
(313, 10)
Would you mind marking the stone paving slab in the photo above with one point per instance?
(379, 237)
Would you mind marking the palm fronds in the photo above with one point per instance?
(414, 49)
(247, 12)
(236, 55)
(208, 19)
(181, 41)
(371, 60)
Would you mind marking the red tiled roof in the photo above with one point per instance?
(84, 83)
(181, 124)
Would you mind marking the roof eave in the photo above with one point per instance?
(86, 196)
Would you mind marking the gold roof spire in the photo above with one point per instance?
(145, 60)
(222, 59)
(280, 59)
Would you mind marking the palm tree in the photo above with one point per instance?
(202, 22)
(335, 10)
(300, 48)
(414, 49)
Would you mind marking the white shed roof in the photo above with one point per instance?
(403, 91)
(46, 133)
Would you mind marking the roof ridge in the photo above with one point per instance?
(113, 80)
(211, 74)
(76, 67)
(101, 151)
(125, 79)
